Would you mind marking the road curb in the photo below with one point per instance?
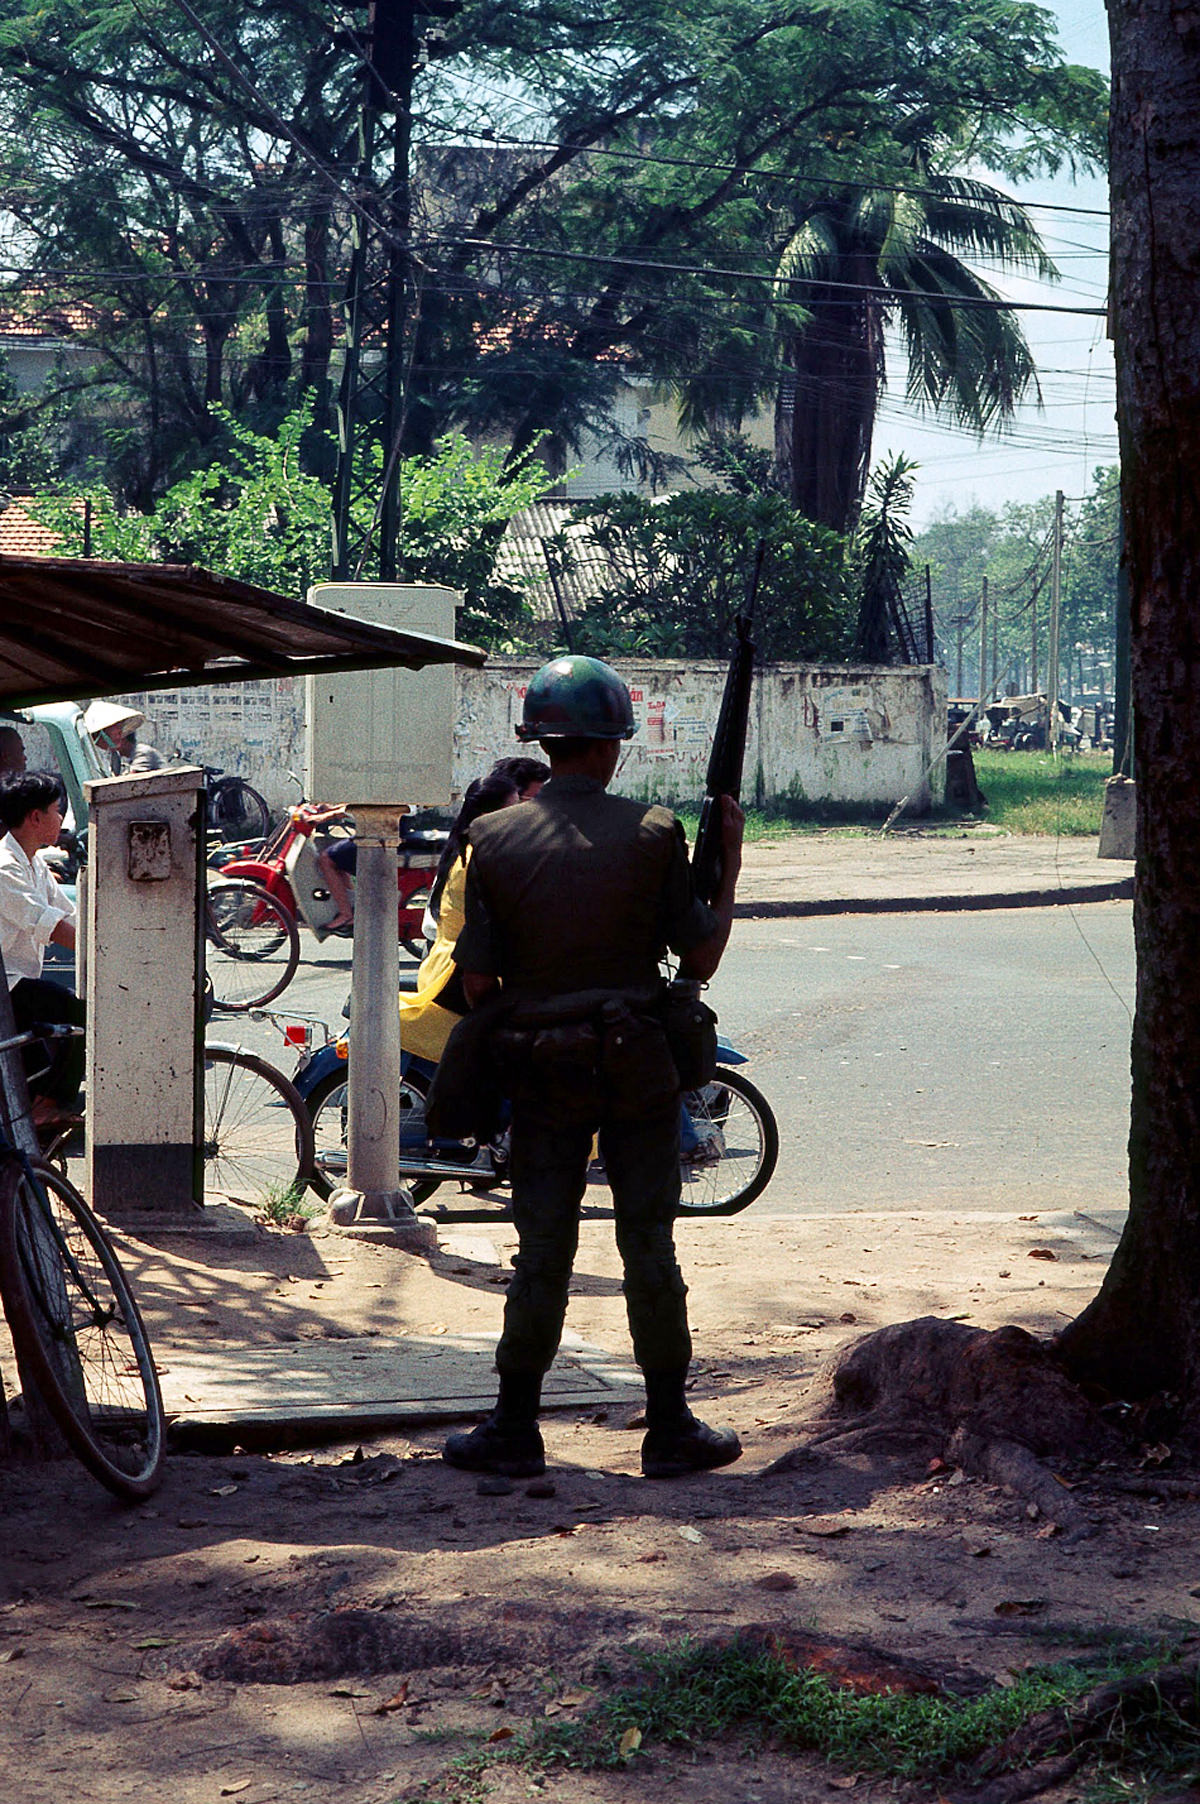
(1119, 891)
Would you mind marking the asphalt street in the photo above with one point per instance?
(975, 1060)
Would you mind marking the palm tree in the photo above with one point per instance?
(866, 258)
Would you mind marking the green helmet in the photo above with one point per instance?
(577, 698)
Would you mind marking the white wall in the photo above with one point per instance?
(845, 733)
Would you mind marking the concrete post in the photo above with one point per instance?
(144, 996)
(372, 1203)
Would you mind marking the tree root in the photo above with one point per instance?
(1009, 1463)
(997, 1403)
(1052, 1744)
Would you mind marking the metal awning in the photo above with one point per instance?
(74, 628)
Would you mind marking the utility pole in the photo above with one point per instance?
(377, 305)
(1055, 605)
(983, 644)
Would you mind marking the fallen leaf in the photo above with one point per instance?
(825, 1529)
(185, 1681)
(648, 1559)
(502, 1734)
(629, 1743)
(12, 1653)
(223, 1491)
(1042, 1253)
(1027, 1218)
(154, 1641)
(232, 1790)
(346, 1691)
(1004, 1274)
(110, 1603)
(570, 1699)
(846, 1784)
(397, 1701)
(691, 1534)
(1048, 1533)
(120, 1697)
(1020, 1606)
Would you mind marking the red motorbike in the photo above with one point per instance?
(286, 864)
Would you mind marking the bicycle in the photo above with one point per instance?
(258, 1136)
(76, 1329)
(253, 944)
(236, 811)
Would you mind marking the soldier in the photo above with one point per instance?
(571, 901)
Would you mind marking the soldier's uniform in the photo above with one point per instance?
(578, 894)
(571, 901)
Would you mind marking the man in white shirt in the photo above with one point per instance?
(35, 912)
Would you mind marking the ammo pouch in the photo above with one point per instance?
(638, 1070)
(691, 1030)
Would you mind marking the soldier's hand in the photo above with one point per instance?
(733, 826)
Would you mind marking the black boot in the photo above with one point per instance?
(507, 1442)
(676, 1443)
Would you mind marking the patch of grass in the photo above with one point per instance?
(1027, 793)
(1031, 792)
(286, 1206)
(698, 1694)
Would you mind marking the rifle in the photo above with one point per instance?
(728, 753)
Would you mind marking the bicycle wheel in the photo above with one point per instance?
(253, 944)
(77, 1329)
(326, 1103)
(737, 1150)
(258, 1140)
(236, 811)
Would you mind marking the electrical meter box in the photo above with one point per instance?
(382, 737)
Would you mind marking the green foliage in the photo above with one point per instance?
(198, 225)
(882, 553)
(256, 515)
(695, 1694)
(681, 569)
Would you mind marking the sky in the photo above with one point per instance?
(1059, 446)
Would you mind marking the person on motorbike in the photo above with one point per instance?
(570, 902)
(528, 774)
(426, 1018)
(113, 728)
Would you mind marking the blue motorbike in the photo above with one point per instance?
(729, 1138)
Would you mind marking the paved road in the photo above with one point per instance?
(975, 1060)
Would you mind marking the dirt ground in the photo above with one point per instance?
(344, 1625)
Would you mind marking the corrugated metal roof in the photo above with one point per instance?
(72, 628)
(553, 585)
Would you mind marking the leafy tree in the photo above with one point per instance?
(259, 516)
(587, 186)
(870, 259)
(680, 570)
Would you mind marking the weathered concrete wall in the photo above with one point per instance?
(847, 733)
(834, 732)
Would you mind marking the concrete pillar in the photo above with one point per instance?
(145, 979)
(372, 1200)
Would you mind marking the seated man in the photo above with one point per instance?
(35, 911)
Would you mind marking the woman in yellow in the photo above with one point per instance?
(427, 1017)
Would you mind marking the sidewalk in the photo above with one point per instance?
(910, 871)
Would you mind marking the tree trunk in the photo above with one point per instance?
(1142, 1332)
(826, 414)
